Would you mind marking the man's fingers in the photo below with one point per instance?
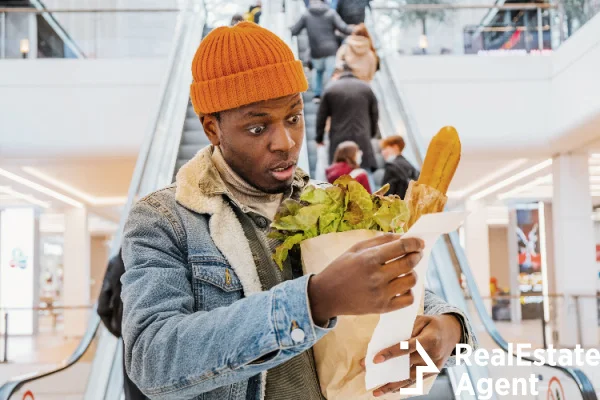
(402, 301)
(401, 266)
(394, 351)
(402, 285)
(391, 250)
(391, 388)
(420, 323)
(413, 374)
(416, 359)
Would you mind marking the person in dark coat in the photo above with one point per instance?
(352, 11)
(321, 23)
(354, 113)
(398, 171)
(110, 310)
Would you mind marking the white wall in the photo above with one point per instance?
(576, 88)
(497, 104)
(509, 106)
(58, 107)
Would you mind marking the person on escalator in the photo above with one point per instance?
(347, 161)
(398, 171)
(206, 310)
(236, 19)
(110, 310)
(354, 113)
(321, 23)
(359, 53)
(353, 11)
(254, 13)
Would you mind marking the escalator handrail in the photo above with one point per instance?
(11, 386)
(584, 385)
(60, 31)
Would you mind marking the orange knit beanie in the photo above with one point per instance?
(240, 65)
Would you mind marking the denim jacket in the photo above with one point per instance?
(196, 323)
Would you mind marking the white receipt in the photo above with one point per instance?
(396, 326)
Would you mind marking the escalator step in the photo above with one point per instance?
(190, 112)
(188, 151)
(192, 123)
(197, 137)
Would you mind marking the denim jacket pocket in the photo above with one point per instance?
(215, 285)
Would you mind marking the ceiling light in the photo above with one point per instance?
(487, 179)
(40, 188)
(508, 181)
(535, 183)
(96, 201)
(28, 198)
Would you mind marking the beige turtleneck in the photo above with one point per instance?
(256, 200)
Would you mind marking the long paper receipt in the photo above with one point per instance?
(396, 326)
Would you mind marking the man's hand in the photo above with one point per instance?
(363, 281)
(438, 334)
(320, 144)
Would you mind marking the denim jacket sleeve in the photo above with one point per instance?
(434, 305)
(172, 352)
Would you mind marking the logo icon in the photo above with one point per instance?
(421, 369)
(555, 390)
(18, 260)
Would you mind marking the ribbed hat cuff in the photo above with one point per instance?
(233, 91)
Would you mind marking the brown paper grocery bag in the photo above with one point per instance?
(338, 354)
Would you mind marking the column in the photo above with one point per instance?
(513, 266)
(76, 271)
(477, 247)
(574, 249)
(19, 269)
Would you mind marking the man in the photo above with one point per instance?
(354, 113)
(352, 11)
(321, 22)
(398, 171)
(207, 312)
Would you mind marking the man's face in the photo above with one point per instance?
(261, 141)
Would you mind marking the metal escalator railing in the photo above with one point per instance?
(278, 21)
(448, 256)
(70, 44)
(392, 122)
(153, 170)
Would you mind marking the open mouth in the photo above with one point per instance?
(283, 172)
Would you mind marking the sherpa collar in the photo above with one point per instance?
(199, 183)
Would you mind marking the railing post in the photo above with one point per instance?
(2, 35)
(540, 29)
(544, 329)
(5, 355)
(578, 319)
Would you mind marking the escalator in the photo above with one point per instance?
(162, 156)
(154, 169)
(51, 38)
(449, 260)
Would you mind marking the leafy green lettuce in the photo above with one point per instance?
(344, 206)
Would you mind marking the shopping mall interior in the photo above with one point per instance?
(95, 114)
